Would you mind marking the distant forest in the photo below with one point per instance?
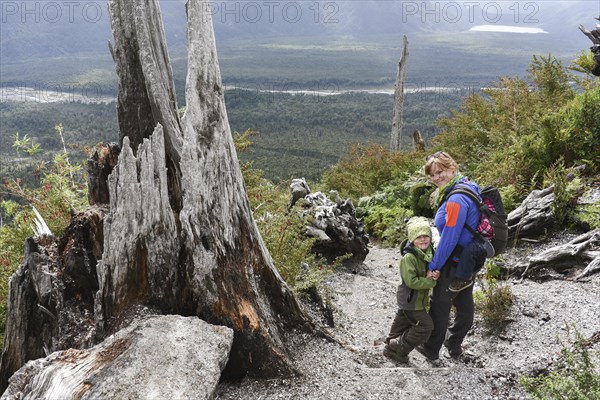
(297, 135)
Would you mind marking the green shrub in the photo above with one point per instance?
(585, 63)
(387, 223)
(283, 235)
(575, 131)
(367, 169)
(386, 212)
(523, 128)
(282, 231)
(565, 190)
(493, 304)
(510, 197)
(574, 377)
(492, 269)
(420, 199)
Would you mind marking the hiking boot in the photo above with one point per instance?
(455, 354)
(395, 355)
(430, 356)
(458, 284)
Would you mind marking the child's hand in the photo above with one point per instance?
(433, 275)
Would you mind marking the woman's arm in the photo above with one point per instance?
(456, 216)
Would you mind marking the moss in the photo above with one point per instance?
(587, 216)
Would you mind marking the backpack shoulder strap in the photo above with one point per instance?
(469, 193)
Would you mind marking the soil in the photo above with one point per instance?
(364, 305)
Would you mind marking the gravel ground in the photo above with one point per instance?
(364, 305)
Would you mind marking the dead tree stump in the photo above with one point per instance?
(179, 237)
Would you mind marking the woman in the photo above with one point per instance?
(455, 212)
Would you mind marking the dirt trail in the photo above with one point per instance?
(364, 307)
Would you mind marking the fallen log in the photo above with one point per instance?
(577, 253)
(592, 268)
(533, 216)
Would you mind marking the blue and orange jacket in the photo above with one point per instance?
(450, 220)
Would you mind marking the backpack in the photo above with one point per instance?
(492, 226)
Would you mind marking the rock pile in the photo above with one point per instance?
(333, 223)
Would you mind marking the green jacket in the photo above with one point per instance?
(413, 291)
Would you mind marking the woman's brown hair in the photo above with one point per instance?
(441, 159)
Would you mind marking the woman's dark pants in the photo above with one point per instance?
(441, 302)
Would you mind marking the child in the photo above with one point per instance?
(412, 324)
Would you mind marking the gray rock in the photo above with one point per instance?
(317, 233)
(299, 189)
(157, 357)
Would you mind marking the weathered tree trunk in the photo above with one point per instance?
(533, 216)
(233, 276)
(396, 140)
(51, 297)
(202, 255)
(146, 90)
(418, 141)
(141, 239)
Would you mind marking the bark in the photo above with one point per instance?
(99, 166)
(25, 337)
(141, 241)
(134, 110)
(396, 139)
(233, 277)
(146, 90)
(418, 141)
(51, 297)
